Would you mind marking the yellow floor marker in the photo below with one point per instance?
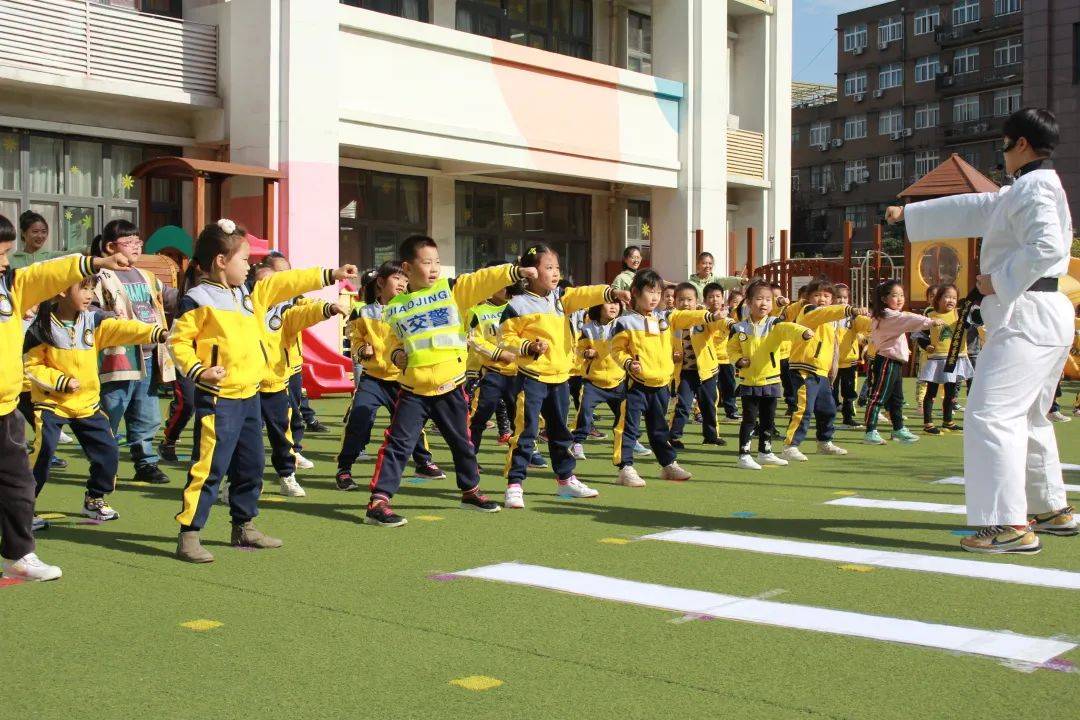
(271, 498)
(201, 625)
(429, 518)
(477, 683)
(52, 516)
(845, 493)
(856, 568)
(614, 541)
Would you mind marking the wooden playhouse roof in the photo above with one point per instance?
(952, 177)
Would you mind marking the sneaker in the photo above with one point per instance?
(572, 487)
(640, 450)
(852, 426)
(302, 463)
(1059, 417)
(38, 524)
(504, 439)
(362, 456)
(1060, 522)
(931, 429)
(734, 416)
(167, 451)
(58, 463)
(245, 535)
(1076, 410)
(746, 462)
(905, 436)
(315, 426)
(151, 474)
(98, 509)
(190, 549)
(678, 444)
(379, 513)
(64, 438)
(873, 437)
(674, 472)
(29, 568)
(771, 459)
(697, 418)
(289, 487)
(996, 539)
(715, 441)
(628, 477)
(475, 500)
(792, 452)
(537, 461)
(489, 424)
(344, 481)
(595, 434)
(951, 427)
(577, 452)
(542, 436)
(830, 448)
(430, 472)
(515, 497)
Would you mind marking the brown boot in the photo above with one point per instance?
(189, 548)
(247, 536)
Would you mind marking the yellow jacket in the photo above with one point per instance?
(483, 323)
(283, 324)
(760, 343)
(70, 352)
(704, 340)
(720, 341)
(848, 334)
(367, 327)
(603, 371)
(816, 354)
(219, 325)
(20, 290)
(647, 339)
(530, 317)
(941, 335)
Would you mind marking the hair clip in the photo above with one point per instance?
(227, 226)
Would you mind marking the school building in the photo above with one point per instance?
(488, 124)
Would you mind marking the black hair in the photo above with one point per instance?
(531, 258)
(41, 326)
(212, 241)
(877, 299)
(645, 278)
(411, 246)
(1036, 125)
(685, 286)
(705, 254)
(776, 285)
(820, 285)
(372, 277)
(940, 293)
(113, 231)
(711, 288)
(626, 253)
(749, 292)
(7, 230)
(29, 218)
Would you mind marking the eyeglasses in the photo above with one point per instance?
(130, 242)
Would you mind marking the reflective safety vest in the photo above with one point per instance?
(429, 325)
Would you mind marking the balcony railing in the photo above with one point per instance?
(950, 84)
(73, 37)
(973, 129)
(999, 25)
(746, 153)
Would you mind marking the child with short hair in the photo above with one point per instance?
(61, 356)
(695, 373)
(725, 375)
(603, 379)
(850, 333)
(920, 350)
(668, 303)
(936, 345)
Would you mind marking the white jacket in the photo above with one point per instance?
(1026, 234)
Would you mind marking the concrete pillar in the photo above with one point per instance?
(778, 123)
(441, 220)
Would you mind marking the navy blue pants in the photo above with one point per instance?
(96, 437)
(575, 383)
(492, 389)
(787, 382)
(725, 381)
(814, 398)
(537, 399)
(844, 393)
(181, 408)
(591, 396)
(297, 400)
(277, 415)
(228, 443)
(759, 411)
(371, 394)
(450, 413)
(692, 387)
(652, 402)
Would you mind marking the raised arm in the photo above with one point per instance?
(953, 216)
(111, 332)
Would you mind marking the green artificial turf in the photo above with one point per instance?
(346, 621)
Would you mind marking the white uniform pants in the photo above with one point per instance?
(1011, 465)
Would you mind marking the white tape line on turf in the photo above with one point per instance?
(1003, 572)
(802, 617)
(899, 505)
(957, 480)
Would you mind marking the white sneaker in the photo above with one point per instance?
(674, 472)
(1058, 417)
(515, 497)
(302, 463)
(771, 459)
(98, 509)
(576, 489)
(29, 568)
(747, 463)
(628, 477)
(577, 452)
(65, 439)
(853, 426)
(830, 448)
(792, 452)
(290, 488)
(640, 450)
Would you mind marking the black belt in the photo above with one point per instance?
(1045, 284)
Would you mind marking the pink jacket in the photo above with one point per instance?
(888, 333)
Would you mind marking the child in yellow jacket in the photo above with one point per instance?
(603, 380)
(695, 373)
(754, 348)
(725, 371)
(61, 356)
(850, 334)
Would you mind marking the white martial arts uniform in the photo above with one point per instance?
(1011, 465)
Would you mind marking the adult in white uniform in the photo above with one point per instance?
(1012, 473)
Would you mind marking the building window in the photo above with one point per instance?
(639, 227)
(890, 29)
(562, 26)
(927, 20)
(1009, 51)
(855, 83)
(926, 68)
(821, 177)
(1006, 101)
(378, 211)
(639, 43)
(819, 134)
(497, 223)
(966, 108)
(1006, 7)
(855, 172)
(965, 60)
(796, 136)
(890, 121)
(970, 156)
(927, 116)
(891, 167)
(410, 9)
(925, 161)
(857, 215)
(890, 76)
(965, 11)
(795, 180)
(854, 38)
(855, 127)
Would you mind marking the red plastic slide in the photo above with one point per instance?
(326, 372)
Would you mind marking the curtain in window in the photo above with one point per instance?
(84, 170)
(46, 156)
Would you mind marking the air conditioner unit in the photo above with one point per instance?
(838, 142)
(908, 132)
(883, 45)
(859, 50)
(982, 127)
(824, 147)
(879, 93)
(847, 187)
(895, 136)
(823, 190)
(948, 81)
(859, 97)
(943, 69)
(866, 176)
